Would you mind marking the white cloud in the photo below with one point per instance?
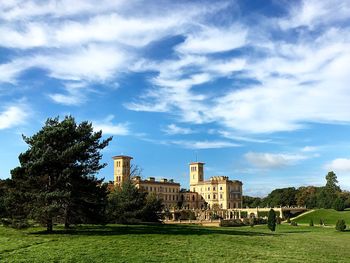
(13, 115)
(204, 144)
(310, 148)
(110, 128)
(339, 165)
(312, 13)
(74, 94)
(273, 160)
(213, 39)
(174, 129)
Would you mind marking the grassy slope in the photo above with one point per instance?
(173, 243)
(330, 217)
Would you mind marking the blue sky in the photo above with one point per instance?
(259, 90)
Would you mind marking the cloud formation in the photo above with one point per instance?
(273, 160)
(339, 165)
(13, 115)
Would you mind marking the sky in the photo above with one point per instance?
(258, 90)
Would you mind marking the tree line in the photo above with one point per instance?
(328, 196)
(56, 182)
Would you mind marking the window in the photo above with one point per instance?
(214, 188)
(220, 205)
(208, 196)
(220, 187)
(208, 188)
(214, 196)
(150, 188)
(229, 205)
(220, 196)
(194, 189)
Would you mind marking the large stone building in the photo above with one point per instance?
(217, 192)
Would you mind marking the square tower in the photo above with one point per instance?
(121, 169)
(196, 173)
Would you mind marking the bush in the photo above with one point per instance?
(293, 223)
(271, 220)
(278, 220)
(288, 220)
(252, 221)
(311, 223)
(340, 226)
(231, 223)
(321, 222)
(15, 223)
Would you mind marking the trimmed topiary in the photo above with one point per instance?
(340, 226)
(271, 220)
(311, 223)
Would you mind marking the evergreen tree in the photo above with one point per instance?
(151, 212)
(340, 226)
(125, 203)
(339, 204)
(271, 220)
(55, 179)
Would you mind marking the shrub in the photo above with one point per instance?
(15, 223)
(293, 223)
(252, 221)
(278, 220)
(288, 220)
(311, 223)
(271, 220)
(231, 223)
(340, 226)
(321, 222)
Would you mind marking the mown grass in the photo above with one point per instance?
(329, 217)
(173, 243)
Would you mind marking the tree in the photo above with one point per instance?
(125, 203)
(332, 181)
(151, 212)
(340, 226)
(281, 197)
(339, 204)
(55, 179)
(271, 220)
(307, 196)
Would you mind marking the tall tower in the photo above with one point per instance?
(121, 169)
(196, 173)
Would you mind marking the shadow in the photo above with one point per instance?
(116, 230)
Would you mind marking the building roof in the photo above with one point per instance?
(197, 163)
(121, 157)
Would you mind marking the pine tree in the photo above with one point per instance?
(55, 180)
(271, 220)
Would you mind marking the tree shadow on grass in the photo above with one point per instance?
(116, 230)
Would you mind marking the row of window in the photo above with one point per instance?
(160, 189)
(171, 197)
(119, 163)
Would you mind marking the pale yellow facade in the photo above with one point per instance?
(121, 165)
(219, 192)
(167, 190)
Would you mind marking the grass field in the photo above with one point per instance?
(329, 216)
(173, 243)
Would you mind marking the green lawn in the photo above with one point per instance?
(329, 216)
(172, 243)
